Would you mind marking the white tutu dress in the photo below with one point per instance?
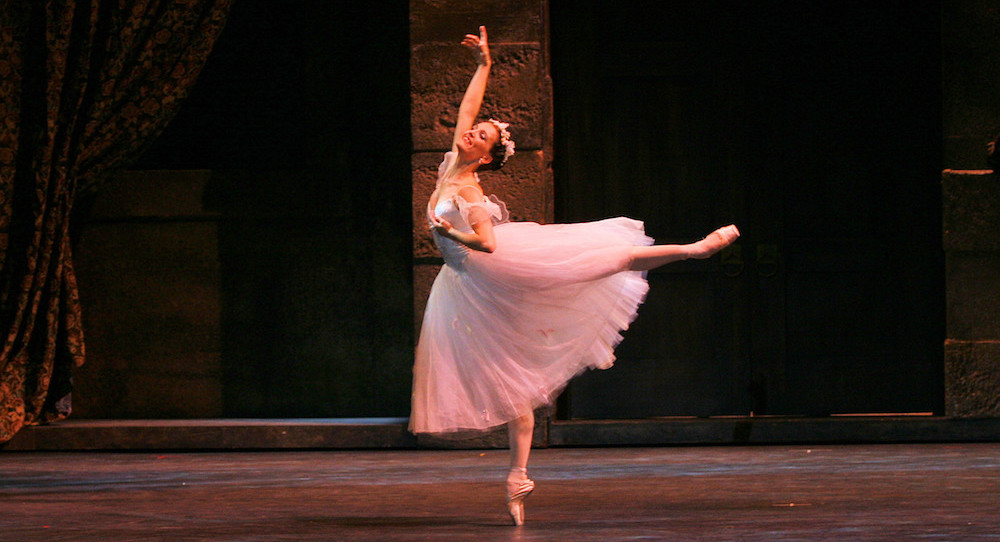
(503, 332)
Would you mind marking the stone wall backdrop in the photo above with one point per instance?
(971, 198)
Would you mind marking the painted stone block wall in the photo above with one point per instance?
(972, 248)
(971, 208)
(222, 294)
(149, 272)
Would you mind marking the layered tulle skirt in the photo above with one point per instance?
(504, 332)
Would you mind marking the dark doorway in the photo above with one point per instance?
(813, 126)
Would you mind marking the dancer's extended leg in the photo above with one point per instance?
(519, 432)
(651, 257)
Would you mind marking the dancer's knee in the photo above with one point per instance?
(523, 424)
(634, 262)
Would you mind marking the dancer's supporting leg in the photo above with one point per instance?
(519, 432)
(651, 257)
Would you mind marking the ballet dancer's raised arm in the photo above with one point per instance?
(473, 99)
(472, 143)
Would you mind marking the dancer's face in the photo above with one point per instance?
(477, 142)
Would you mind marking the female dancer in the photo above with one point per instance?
(519, 308)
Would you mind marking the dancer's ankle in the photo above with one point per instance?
(516, 474)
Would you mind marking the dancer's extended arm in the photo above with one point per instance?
(473, 99)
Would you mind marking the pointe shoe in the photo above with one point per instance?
(716, 241)
(516, 492)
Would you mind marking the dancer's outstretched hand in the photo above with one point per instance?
(480, 43)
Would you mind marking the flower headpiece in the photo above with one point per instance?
(505, 140)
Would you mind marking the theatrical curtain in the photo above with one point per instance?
(85, 86)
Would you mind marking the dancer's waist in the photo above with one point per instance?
(453, 252)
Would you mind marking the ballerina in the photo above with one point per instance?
(519, 308)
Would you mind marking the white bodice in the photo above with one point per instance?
(456, 211)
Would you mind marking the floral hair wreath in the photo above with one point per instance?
(505, 140)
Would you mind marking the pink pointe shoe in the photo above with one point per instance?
(516, 492)
(716, 241)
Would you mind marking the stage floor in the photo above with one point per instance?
(770, 493)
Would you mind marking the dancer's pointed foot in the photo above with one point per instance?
(517, 490)
(716, 241)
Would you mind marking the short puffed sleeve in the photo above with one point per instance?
(489, 208)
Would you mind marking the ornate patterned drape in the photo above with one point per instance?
(85, 86)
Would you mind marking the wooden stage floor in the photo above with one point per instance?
(945, 492)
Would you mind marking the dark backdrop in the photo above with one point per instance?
(301, 114)
(816, 127)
